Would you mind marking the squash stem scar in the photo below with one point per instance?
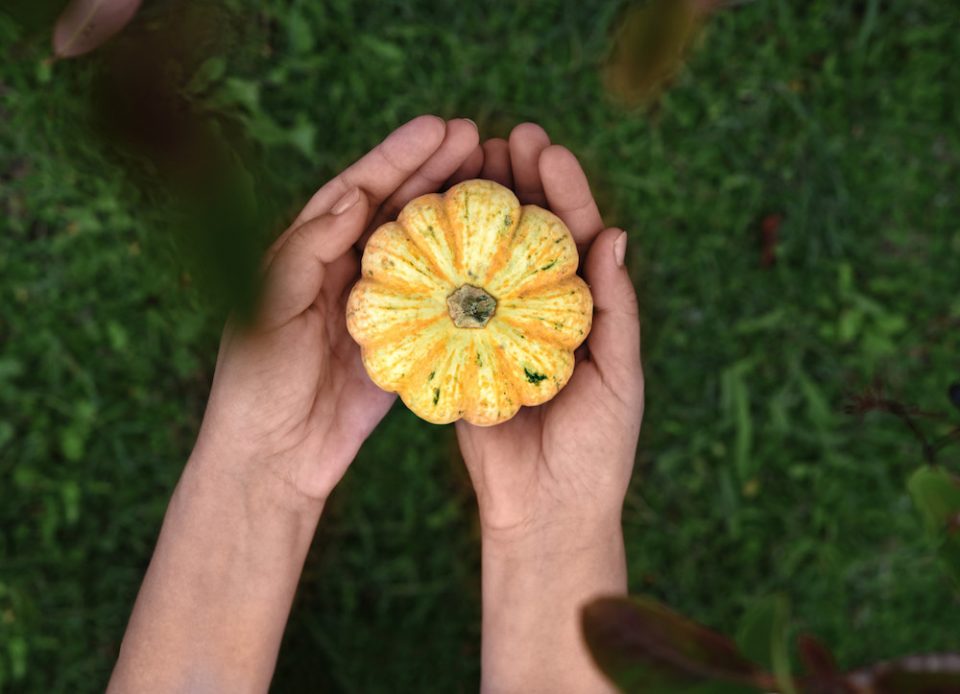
(471, 307)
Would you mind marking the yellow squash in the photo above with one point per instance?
(469, 305)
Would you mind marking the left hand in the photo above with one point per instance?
(290, 396)
(289, 407)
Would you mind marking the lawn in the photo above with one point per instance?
(839, 117)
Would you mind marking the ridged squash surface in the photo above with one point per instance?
(469, 305)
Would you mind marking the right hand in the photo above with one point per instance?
(568, 462)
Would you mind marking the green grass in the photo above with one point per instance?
(841, 116)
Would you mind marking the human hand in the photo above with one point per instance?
(566, 463)
(289, 407)
(550, 482)
(290, 397)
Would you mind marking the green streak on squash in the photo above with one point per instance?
(533, 376)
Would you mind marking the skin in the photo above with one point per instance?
(550, 482)
(290, 406)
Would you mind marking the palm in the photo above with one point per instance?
(340, 403)
(354, 402)
(546, 448)
(290, 390)
(301, 390)
(542, 457)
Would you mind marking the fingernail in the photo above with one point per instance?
(472, 121)
(348, 200)
(620, 248)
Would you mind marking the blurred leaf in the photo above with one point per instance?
(849, 325)
(17, 648)
(762, 637)
(10, 368)
(890, 323)
(32, 15)
(936, 494)
(819, 412)
(141, 93)
(937, 673)
(117, 336)
(6, 433)
(209, 73)
(73, 442)
(237, 92)
(736, 403)
(86, 24)
(70, 493)
(641, 645)
(389, 52)
(299, 33)
(302, 135)
(44, 71)
(168, 107)
(650, 46)
(220, 230)
(953, 394)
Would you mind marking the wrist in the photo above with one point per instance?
(262, 482)
(222, 579)
(534, 588)
(593, 551)
(251, 487)
(559, 534)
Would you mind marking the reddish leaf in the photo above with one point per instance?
(86, 24)
(816, 657)
(644, 646)
(953, 524)
(823, 675)
(937, 673)
(769, 239)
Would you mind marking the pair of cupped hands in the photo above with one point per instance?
(291, 403)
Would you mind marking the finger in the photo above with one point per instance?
(614, 339)
(460, 141)
(297, 272)
(470, 168)
(380, 172)
(496, 162)
(527, 141)
(568, 194)
(339, 276)
(580, 353)
(361, 404)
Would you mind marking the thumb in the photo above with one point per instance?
(296, 272)
(614, 340)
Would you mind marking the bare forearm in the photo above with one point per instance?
(533, 591)
(211, 612)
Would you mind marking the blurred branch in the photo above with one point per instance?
(874, 400)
